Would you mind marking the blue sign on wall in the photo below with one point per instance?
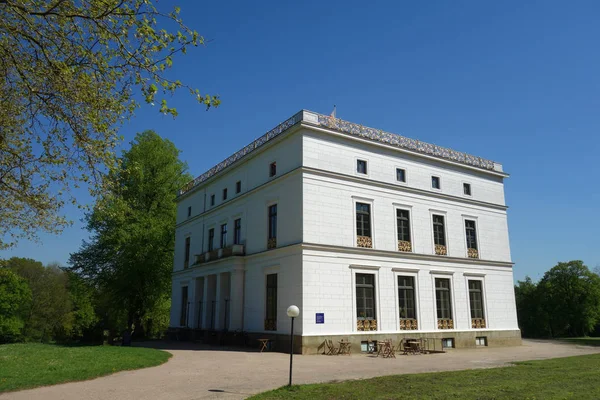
(320, 318)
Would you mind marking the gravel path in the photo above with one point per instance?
(202, 372)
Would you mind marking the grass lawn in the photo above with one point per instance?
(584, 341)
(559, 378)
(28, 365)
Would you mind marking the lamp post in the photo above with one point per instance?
(292, 312)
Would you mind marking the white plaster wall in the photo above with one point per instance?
(329, 289)
(339, 154)
(329, 218)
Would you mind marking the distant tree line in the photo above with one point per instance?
(120, 280)
(564, 303)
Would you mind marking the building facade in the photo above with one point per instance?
(372, 235)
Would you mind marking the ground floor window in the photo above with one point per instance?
(443, 303)
(184, 306)
(365, 302)
(406, 303)
(271, 303)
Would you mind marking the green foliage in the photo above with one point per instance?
(49, 311)
(30, 365)
(559, 378)
(70, 75)
(566, 302)
(83, 314)
(15, 297)
(130, 256)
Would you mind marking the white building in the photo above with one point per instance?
(372, 235)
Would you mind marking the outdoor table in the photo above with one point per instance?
(264, 344)
(414, 346)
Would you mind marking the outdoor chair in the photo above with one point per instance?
(330, 349)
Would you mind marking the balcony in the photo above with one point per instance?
(364, 241)
(366, 325)
(445, 323)
(408, 324)
(473, 253)
(478, 323)
(441, 250)
(235, 250)
(405, 246)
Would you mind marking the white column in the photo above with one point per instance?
(219, 306)
(205, 305)
(236, 303)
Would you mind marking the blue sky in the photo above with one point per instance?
(515, 82)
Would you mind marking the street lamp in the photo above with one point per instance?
(292, 312)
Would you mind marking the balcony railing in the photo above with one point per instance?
(473, 253)
(408, 324)
(366, 325)
(441, 250)
(478, 323)
(270, 324)
(364, 241)
(235, 250)
(445, 323)
(404, 245)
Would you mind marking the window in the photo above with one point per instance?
(406, 297)
(476, 299)
(238, 186)
(481, 341)
(363, 219)
(448, 343)
(471, 234)
(272, 242)
(467, 189)
(439, 235)
(237, 231)
(223, 236)
(403, 225)
(189, 211)
(186, 261)
(365, 296)
(442, 297)
(211, 239)
(224, 194)
(184, 306)
(271, 303)
(212, 199)
(435, 182)
(400, 175)
(361, 166)
(273, 169)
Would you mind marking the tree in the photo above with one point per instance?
(571, 298)
(533, 320)
(50, 309)
(83, 314)
(130, 255)
(15, 297)
(69, 71)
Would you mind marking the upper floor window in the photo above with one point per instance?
(225, 194)
(467, 189)
(272, 240)
(361, 166)
(186, 260)
(238, 186)
(403, 225)
(471, 233)
(435, 182)
(211, 239)
(189, 211)
(212, 199)
(223, 236)
(237, 231)
(273, 169)
(363, 225)
(400, 175)
(439, 235)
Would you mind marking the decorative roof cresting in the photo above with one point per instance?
(351, 129)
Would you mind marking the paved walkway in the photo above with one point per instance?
(202, 372)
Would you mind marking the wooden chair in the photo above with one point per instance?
(330, 349)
